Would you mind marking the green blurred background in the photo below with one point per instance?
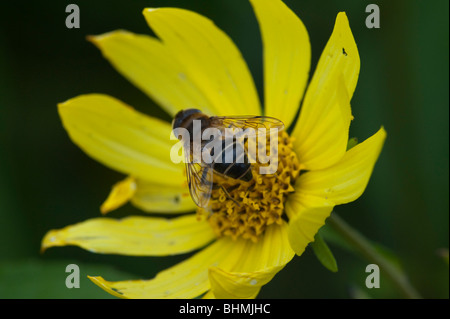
(46, 182)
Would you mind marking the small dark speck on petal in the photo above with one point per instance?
(343, 52)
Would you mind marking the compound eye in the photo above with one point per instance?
(182, 115)
(188, 112)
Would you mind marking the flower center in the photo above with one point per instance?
(245, 209)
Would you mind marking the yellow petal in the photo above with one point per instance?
(120, 194)
(287, 58)
(316, 192)
(259, 264)
(306, 214)
(158, 198)
(149, 196)
(151, 67)
(321, 133)
(345, 181)
(208, 295)
(228, 285)
(122, 138)
(188, 279)
(299, 201)
(134, 236)
(211, 60)
(305, 226)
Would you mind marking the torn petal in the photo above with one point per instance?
(120, 194)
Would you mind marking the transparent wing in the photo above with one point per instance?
(244, 122)
(200, 181)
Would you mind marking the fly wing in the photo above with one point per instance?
(244, 122)
(200, 181)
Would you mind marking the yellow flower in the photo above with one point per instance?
(194, 64)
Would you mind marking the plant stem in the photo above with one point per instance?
(362, 245)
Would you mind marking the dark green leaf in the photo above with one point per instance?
(323, 253)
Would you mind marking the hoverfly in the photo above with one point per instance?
(200, 175)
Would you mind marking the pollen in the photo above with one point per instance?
(242, 209)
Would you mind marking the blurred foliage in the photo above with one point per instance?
(46, 182)
(37, 279)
